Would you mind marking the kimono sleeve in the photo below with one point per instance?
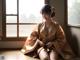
(31, 42)
(61, 44)
(60, 39)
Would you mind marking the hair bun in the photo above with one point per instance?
(53, 11)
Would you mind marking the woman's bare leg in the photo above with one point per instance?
(53, 55)
(43, 54)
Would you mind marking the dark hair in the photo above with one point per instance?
(47, 9)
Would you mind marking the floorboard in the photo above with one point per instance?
(14, 55)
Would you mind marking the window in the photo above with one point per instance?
(74, 13)
(21, 16)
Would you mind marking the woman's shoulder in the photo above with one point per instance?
(55, 23)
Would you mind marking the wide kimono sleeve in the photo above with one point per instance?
(61, 44)
(31, 42)
(60, 39)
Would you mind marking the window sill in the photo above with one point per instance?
(74, 25)
(14, 39)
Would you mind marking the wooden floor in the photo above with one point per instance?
(14, 55)
(17, 55)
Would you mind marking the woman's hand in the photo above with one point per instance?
(49, 44)
(41, 43)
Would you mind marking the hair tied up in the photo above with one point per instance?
(52, 11)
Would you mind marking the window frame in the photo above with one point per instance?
(4, 22)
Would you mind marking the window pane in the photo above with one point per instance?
(11, 30)
(11, 19)
(29, 11)
(74, 12)
(11, 6)
(25, 30)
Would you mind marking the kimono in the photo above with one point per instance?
(48, 33)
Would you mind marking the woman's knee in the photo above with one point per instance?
(43, 55)
(53, 55)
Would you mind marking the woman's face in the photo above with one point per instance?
(45, 16)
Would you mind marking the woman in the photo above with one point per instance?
(48, 39)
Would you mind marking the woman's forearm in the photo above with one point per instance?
(31, 48)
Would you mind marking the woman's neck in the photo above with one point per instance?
(48, 22)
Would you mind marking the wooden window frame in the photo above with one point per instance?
(4, 38)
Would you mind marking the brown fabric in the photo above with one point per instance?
(50, 33)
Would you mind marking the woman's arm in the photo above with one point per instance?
(30, 43)
(61, 44)
(60, 38)
(30, 48)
